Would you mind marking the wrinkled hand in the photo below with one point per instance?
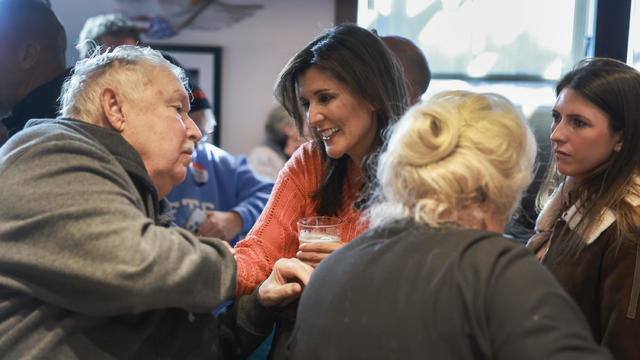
(285, 283)
(224, 225)
(313, 253)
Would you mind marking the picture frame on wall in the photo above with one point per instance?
(203, 66)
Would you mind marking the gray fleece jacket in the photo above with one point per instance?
(88, 268)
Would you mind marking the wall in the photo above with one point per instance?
(253, 53)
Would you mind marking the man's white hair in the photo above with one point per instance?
(127, 68)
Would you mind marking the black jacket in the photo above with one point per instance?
(41, 103)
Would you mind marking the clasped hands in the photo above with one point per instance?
(289, 276)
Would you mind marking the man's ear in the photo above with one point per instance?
(111, 103)
(28, 54)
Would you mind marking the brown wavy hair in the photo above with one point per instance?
(613, 87)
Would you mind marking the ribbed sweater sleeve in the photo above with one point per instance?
(275, 233)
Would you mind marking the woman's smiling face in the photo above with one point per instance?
(344, 120)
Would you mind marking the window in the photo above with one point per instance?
(512, 39)
(633, 53)
(517, 48)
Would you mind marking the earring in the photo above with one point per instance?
(617, 147)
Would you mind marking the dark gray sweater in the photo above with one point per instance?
(408, 291)
(88, 267)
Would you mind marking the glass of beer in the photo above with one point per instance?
(316, 229)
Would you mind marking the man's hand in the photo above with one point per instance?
(285, 283)
(313, 253)
(224, 225)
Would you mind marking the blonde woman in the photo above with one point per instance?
(434, 277)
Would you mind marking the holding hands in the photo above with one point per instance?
(290, 276)
(285, 283)
(319, 237)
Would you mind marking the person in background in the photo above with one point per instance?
(89, 266)
(433, 276)
(104, 32)
(221, 196)
(588, 232)
(346, 86)
(282, 140)
(32, 59)
(415, 67)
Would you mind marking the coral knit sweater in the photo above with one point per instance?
(275, 234)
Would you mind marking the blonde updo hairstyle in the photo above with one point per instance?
(453, 158)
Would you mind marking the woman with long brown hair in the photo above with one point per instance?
(588, 231)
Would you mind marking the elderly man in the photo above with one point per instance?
(221, 195)
(32, 59)
(88, 268)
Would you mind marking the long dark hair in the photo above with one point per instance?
(360, 60)
(614, 88)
